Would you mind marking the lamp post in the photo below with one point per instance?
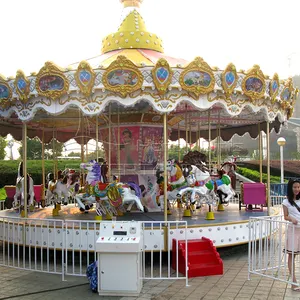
(281, 142)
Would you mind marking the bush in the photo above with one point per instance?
(9, 169)
(255, 175)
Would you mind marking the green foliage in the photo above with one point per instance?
(3, 144)
(34, 149)
(9, 169)
(173, 152)
(255, 175)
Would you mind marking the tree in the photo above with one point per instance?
(34, 149)
(54, 149)
(3, 144)
(173, 152)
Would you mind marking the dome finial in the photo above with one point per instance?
(131, 3)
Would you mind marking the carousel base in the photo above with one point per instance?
(227, 228)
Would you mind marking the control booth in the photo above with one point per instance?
(119, 252)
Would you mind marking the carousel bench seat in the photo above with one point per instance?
(253, 194)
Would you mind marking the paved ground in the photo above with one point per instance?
(234, 284)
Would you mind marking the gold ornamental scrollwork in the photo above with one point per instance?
(197, 77)
(253, 85)
(22, 85)
(162, 76)
(51, 81)
(287, 91)
(122, 76)
(5, 92)
(229, 79)
(274, 87)
(85, 78)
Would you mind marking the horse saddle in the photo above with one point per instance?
(52, 186)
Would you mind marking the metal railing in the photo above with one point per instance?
(67, 247)
(268, 249)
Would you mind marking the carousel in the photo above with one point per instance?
(133, 99)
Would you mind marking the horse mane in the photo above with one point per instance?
(195, 158)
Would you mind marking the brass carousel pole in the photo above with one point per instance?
(209, 139)
(268, 168)
(119, 142)
(190, 134)
(165, 168)
(178, 141)
(43, 166)
(25, 167)
(199, 140)
(219, 142)
(97, 139)
(82, 149)
(109, 143)
(260, 152)
(186, 130)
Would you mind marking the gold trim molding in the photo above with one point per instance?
(22, 85)
(161, 81)
(229, 88)
(85, 78)
(4, 100)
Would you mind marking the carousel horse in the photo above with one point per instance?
(66, 186)
(202, 176)
(230, 170)
(115, 194)
(20, 189)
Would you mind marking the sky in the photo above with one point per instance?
(262, 32)
(252, 32)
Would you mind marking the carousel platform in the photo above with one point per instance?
(230, 227)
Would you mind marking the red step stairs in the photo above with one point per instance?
(203, 258)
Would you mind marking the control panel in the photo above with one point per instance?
(119, 236)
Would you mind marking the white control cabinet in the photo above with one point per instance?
(119, 252)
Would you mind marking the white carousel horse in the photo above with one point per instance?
(20, 188)
(63, 188)
(200, 186)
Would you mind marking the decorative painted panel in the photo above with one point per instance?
(122, 76)
(253, 84)
(51, 81)
(197, 77)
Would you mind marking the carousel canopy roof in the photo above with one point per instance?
(133, 81)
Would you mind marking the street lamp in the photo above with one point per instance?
(281, 142)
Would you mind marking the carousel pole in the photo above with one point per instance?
(260, 152)
(119, 142)
(97, 140)
(43, 167)
(209, 139)
(186, 130)
(268, 168)
(82, 150)
(199, 139)
(165, 168)
(219, 142)
(25, 168)
(190, 134)
(109, 143)
(178, 141)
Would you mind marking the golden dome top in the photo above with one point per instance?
(132, 33)
(131, 3)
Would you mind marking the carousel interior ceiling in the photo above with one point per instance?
(185, 118)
